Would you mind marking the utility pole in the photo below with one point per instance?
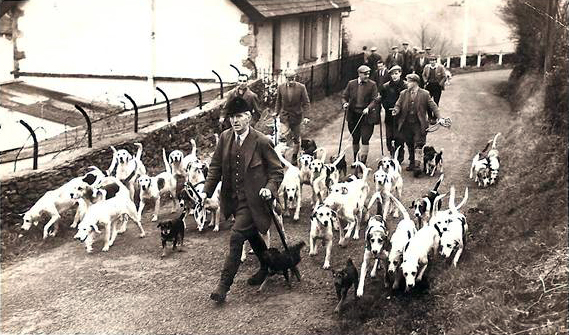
(464, 35)
(152, 67)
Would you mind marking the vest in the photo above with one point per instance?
(237, 171)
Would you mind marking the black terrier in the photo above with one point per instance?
(173, 230)
(343, 280)
(281, 262)
(432, 160)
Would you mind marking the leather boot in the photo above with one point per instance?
(219, 293)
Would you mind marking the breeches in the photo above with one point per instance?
(361, 130)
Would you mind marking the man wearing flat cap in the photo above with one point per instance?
(250, 171)
(408, 58)
(292, 105)
(372, 59)
(389, 93)
(359, 98)
(434, 77)
(394, 58)
(411, 123)
(420, 62)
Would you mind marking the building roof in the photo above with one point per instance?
(258, 10)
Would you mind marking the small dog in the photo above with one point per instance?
(173, 230)
(305, 161)
(375, 235)
(423, 207)
(486, 164)
(343, 280)
(282, 262)
(321, 229)
(403, 233)
(432, 160)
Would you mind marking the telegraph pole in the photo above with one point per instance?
(464, 35)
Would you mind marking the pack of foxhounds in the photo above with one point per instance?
(341, 204)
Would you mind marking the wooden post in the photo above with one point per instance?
(448, 62)
(500, 58)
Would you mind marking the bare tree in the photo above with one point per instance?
(439, 43)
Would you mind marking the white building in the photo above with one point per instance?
(164, 40)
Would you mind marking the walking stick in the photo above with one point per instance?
(342, 136)
(275, 220)
(381, 132)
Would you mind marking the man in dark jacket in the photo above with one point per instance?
(251, 172)
(408, 59)
(359, 97)
(389, 93)
(420, 62)
(246, 94)
(411, 110)
(292, 105)
(373, 58)
(381, 75)
(394, 58)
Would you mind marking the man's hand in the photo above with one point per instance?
(221, 119)
(365, 111)
(305, 120)
(345, 105)
(265, 194)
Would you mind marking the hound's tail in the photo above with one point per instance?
(338, 159)
(452, 205)
(494, 140)
(435, 206)
(376, 197)
(138, 151)
(323, 158)
(400, 206)
(111, 168)
(194, 147)
(364, 168)
(284, 160)
(438, 183)
(166, 165)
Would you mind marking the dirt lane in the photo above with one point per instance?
(131, 290)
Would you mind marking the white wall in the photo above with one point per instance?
(6, 59)
(106, 37)
(264, 44)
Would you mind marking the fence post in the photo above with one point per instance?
(199, 92)
(500, 58)
(254, 68)
(167, 103)
(220, 84)
(135, 112)
(89, 135)
(478, 59)
(236, 69)
(33, 133)
(311, 81)
(448, 62)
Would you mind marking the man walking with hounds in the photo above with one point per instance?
(389, 93)
(360, 97)
(251, 172)
(434, 77)
(292, 105)
(246, 94)
(411, 110)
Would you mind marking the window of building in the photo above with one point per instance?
(308, 39)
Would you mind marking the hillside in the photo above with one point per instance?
(381, 23)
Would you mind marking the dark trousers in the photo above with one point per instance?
(435, 90)
(362, 130)
(236, 240)
(412, 135)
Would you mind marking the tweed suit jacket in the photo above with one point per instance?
(423, 103)
(350, 94)
(291, 108)
(263, 170)
(440, 75)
